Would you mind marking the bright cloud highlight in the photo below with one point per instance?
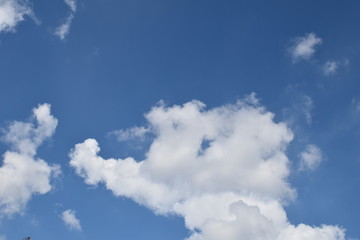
(224, 170)
(71, 221)
(12, 12)
(22, 174)
(303, 48)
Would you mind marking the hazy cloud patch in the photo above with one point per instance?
(310, 158)
(63, 30)
(303, 48)
(130, 133)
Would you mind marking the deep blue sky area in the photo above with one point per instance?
(120, 58)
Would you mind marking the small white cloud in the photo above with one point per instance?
(71, 4)
(71, 221)
(330, 67)
(22, 173)
(2, 237)
(130, 133)
(303, 48)
(12, 12)
(63, 30)
(310, 158)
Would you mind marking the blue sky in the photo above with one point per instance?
(215, 119)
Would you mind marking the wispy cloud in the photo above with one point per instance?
(330, 67)
(71, 4)
(301, 107)
(130, 133)
(356, 105)
(12, 12)
(71, 221)
(303, 48)
(310, 158)
(230, 159)
(63, 30)
(22, 173)
(307, 107)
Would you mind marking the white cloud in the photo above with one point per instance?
(12, 12)
(130, 133)
(303, 48)
(330, 67)
(71, 4)
(224, 170)
(22, 173)
(2, 237)
(63, 30)
(69, 218)
(310, 158)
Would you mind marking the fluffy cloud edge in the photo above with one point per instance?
(21, 169)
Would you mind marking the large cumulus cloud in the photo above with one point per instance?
(224, 170)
